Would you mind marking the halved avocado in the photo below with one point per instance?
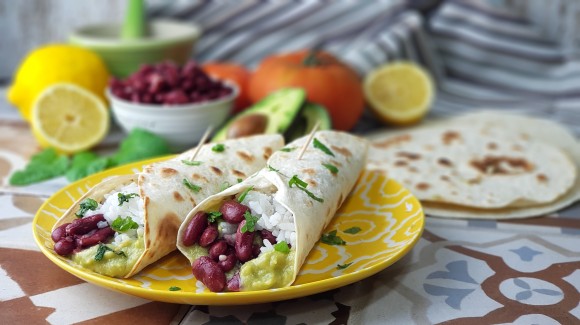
(305, 121)
(273, 114)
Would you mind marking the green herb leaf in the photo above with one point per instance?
(250, 222)
(332, 239)
(191, 186)
(103, 249)
(273, 169)
(124, 224)
(218, 148)
(288, 149)
(224, 186)
(282, 247)
(352, 230)
(343, 266)
(138, 145)
(86, 205)
(318, 145)
(44, 165)
(301, 185)
(125, 197)
(174, 288)
(239, 180)
(333, 169)
(244, 193)
(191, 163)
(213, 216)
(79, 165)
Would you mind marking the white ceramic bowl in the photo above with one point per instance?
(182, 126)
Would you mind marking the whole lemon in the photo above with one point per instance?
(52, 64)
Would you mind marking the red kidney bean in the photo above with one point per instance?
(93, 238)
(83, 225)
(195, 228)
(209, 235)
(256, 250)
(244, 241)
(218, 248)
(209, 273)
(64, 246)
(234, 283)
(233, 211)
(229, 262)
(267, 235)
(59, 233)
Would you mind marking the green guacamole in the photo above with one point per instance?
(269, 270)
(194, 252)
(112, 264)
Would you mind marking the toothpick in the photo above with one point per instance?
(308, 140)
(201, 142)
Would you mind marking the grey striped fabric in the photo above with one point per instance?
(481, 55)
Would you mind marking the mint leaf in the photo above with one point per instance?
(250, 222)
(125, 197)
(332, 239)
(352, 230)
(318, 145)
(124, 224)
(282, 247)
(42, 166)
(86, 205)
(138, 145)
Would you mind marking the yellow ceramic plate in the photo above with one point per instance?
(390, 219)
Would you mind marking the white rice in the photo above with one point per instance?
(273, 216)
(111, 210)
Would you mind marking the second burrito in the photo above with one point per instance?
(257, 234)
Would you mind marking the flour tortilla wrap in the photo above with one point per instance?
(166, 200)
(310, 215)
(552, 151)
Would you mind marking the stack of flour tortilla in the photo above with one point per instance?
(488, 164)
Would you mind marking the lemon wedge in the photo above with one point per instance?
(69, 118)
(399, 93)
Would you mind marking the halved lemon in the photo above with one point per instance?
(399, 93)
(69, 118)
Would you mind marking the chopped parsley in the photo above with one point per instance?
(288, 149)
(218, 148)
(239, 180)
(250, 222)
(332, 239)
(125, 197)
(282, 247)
(224, 186)
(343, 266)
(301, 185)
(273, 169)
(352, 230)
(86, 205)
(174, 288)
(103, 249)
(123, 224)
(244, 193)
(191, 163)
(331, 167)
(191, 186)
(213, 216)
(318, 145)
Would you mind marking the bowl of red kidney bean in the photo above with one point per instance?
(175, 102)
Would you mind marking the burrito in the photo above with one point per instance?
(128, 222)
(257, 234)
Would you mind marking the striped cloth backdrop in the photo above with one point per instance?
(482, 54)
